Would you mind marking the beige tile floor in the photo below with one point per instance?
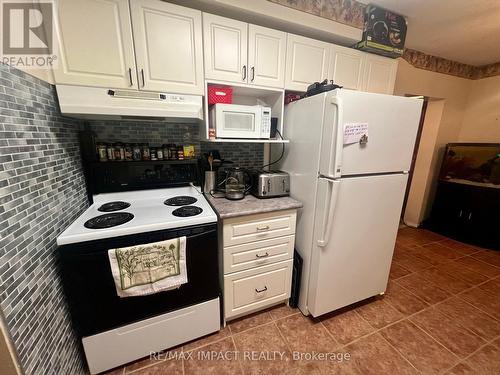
(440, 314)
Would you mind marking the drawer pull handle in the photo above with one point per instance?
(262, 290)
(263, 228)
(262, 256)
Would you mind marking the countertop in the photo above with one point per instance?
(250, 205)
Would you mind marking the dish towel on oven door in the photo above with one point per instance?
(149, 268)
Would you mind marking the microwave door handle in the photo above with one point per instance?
(328, 217)
(337, 143)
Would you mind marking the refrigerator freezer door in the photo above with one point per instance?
(355, 231)
(392, 123)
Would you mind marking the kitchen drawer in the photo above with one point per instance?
(258, 227)
(255, 254)
(254, 289)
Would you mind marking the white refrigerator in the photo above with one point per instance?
(348, 160)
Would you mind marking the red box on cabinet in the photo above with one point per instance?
(220, 95)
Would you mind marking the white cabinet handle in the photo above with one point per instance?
(253, 74)
(470, 215)
(262, 290)
(262, 256)
(244, 73)
(143, 80)
(263, 228)
(130, 76)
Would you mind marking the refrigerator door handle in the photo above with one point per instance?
(337, 143)
(328, 218)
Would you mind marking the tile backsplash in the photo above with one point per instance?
(41, 192)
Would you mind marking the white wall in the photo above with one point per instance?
(416, 206)
(444, 126)
(481, 122)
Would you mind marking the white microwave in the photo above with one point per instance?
(241, 121)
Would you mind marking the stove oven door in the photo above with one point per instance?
(90, 290)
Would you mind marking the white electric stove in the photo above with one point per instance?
(124, 213)
(135, 327)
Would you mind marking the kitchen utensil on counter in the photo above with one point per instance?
(210, 181)
(270, 184)
(235, 183)
(211, 161)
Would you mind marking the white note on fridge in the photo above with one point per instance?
(355, 132)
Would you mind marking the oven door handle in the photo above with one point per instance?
(196, 235)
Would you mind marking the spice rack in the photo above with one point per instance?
(137, 152)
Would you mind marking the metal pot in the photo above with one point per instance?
(235, 183)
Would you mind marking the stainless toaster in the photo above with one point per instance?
(269, 184)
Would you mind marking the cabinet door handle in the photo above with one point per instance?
(244, 72)
(262, 290)
(262, 256)
(253, 74)
(470, 215)
(130, 76)
(263, 228)
(460, 213)
(142, 75)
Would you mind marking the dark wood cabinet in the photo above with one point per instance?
(468, 212)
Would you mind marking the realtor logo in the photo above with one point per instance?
(27, 34)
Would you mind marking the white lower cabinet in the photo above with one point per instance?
(254, 254)
(257, 260)
(254, 289)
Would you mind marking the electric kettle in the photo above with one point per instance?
(235, 183)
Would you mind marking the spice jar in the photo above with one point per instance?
(166, 152)
(101, 151)
(180, 153)
(173, 152)
(145, 152)
(159, 153)
(128, 152)
(153, 153)
(137, 152)
(119, 152)
(110, 151)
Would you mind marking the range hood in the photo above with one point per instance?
(121, 104)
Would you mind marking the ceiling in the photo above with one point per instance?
(466, 31)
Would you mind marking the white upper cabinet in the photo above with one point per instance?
(266, 56)
(169, 47)
(347, 67)
(306, 62)
(154, 45)
(380, 74)
(95, 43)
(225, 48)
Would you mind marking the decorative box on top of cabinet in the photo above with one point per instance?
(257, 259)
(146, 45)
